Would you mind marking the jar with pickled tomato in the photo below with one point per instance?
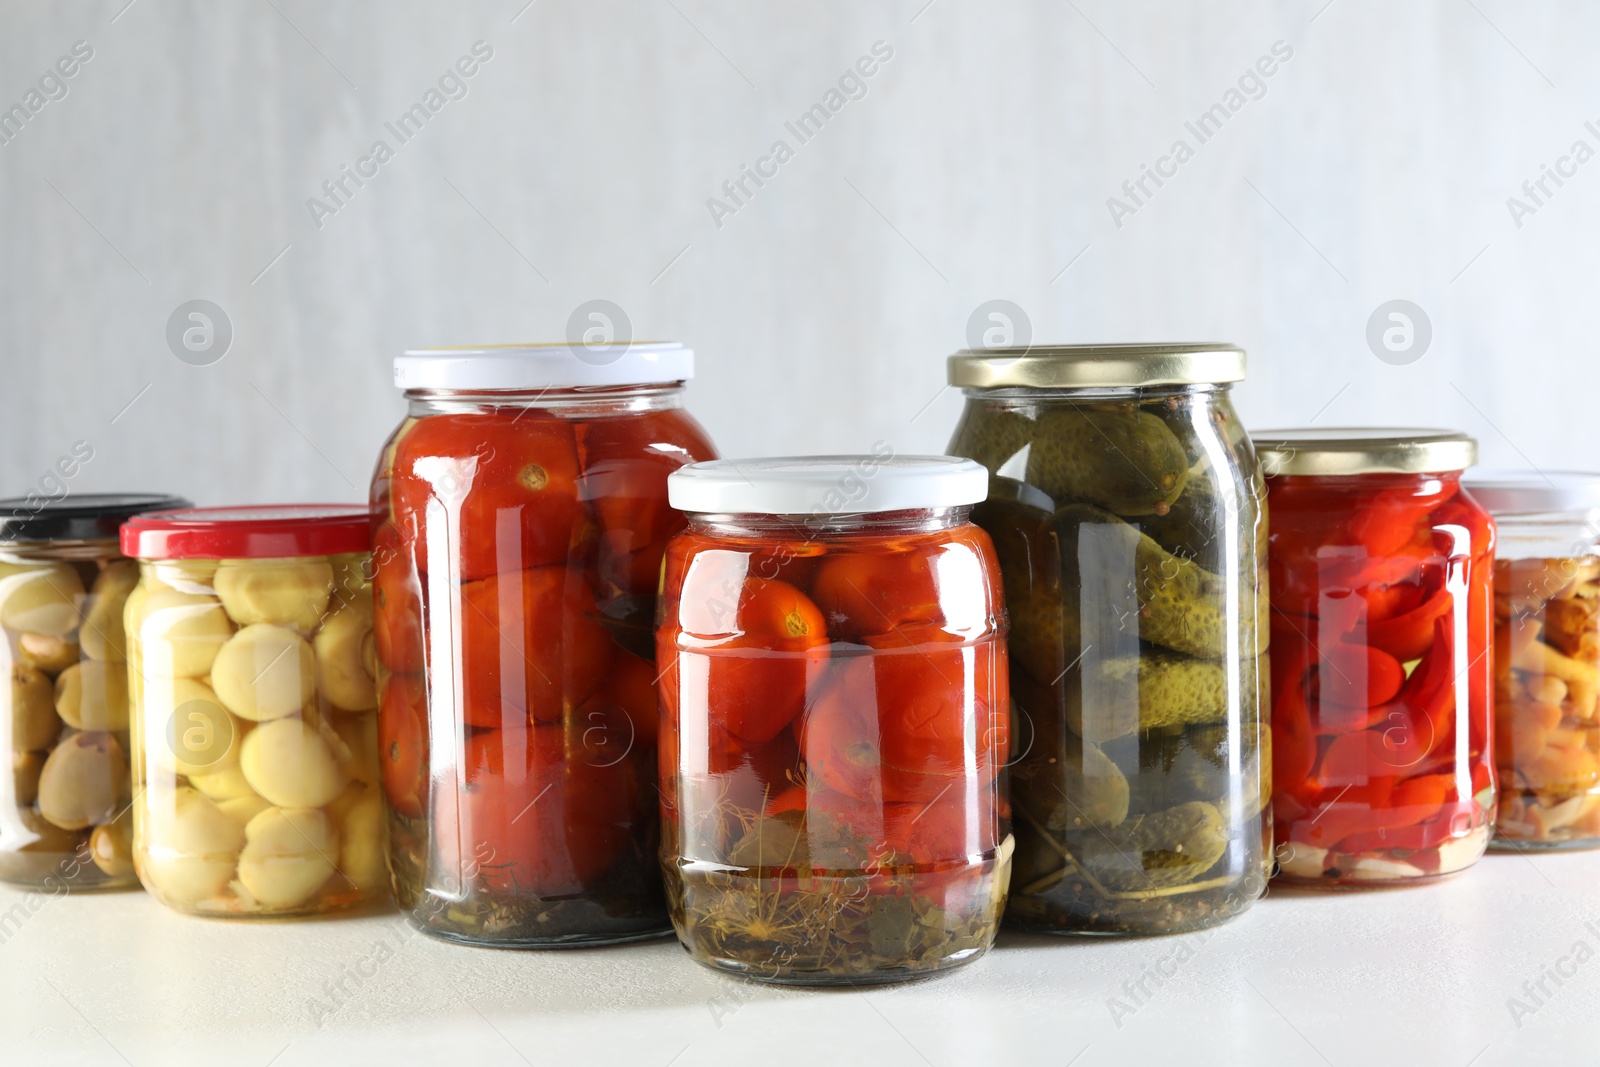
(835, 718)
(252, 675)
(1546, 655)
(1124, 503)
(64, 818)
(1382, 605)
(521, 515)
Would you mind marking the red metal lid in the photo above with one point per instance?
(266, 531)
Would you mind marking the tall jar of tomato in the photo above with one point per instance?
(1546, 655)
(520, 515)
(1124, 504)
(834, 722)
(1382, 608)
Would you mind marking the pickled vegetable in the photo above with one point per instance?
(1380, 677)
(831, 750)
(1132, 550)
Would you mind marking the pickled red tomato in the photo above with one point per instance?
(627, 699)
(528, 817)
(879, 589)
(625, 463)
(403, 743)
(882, 728)
(507, 483)
(397, 603)
(944, 831)
(531, 646)
(757, 677)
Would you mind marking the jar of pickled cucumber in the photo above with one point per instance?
(64, 795)
(522, 513)
(1125, 506)
(1546, 655)
(1382, 575)
(255, 730)
(834, 723)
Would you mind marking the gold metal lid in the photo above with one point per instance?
(1096, 366)
(1364, 450)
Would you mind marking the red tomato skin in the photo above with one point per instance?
(403, 744)
(397, 604)
(506, 486)
(528, 817)
(531, 647)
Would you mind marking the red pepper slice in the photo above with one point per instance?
(1294, 744)
(1390, 519)
(1352, 810)
(1355, 677)
(1406, 637)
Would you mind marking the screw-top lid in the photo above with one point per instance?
(79, 517)
(1364, 450)
(1097, 366)
(266, 531)
(544, 366)
(826, 485)
(1531, 492)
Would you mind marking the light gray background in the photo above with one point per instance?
(978, 165)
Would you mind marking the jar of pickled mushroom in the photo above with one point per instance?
(834, 729)
(255, 729)
(1382, 597)
(1124, 503)
(522, 513)
(1546, 655)
(64, 821)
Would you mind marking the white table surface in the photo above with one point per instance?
(1412, 976)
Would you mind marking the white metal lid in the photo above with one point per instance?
(826, 485)
(1531, 492)
(544, 366)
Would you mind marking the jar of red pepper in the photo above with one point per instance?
(835, 718)
(521, 515)
(1382, 607)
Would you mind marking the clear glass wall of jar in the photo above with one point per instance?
(834, 728)
(1546, 655)
(64, 798)
(1382, 581)
(255, 732)
(522, 514)
(1124, 505)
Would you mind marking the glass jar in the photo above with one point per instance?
(522, 514)
(255, 733)
(64, 796)
(834, 724)
(1381, 608)
(1124, 505)
(1546, 655)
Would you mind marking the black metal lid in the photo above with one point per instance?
(80, 517)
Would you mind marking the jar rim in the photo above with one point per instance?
(1097, 366)
(1340, 450)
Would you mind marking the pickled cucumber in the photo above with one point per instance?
(1172, 690)
(1115, 456)
(1169, 848)
(1172, 601)
(992, 437)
